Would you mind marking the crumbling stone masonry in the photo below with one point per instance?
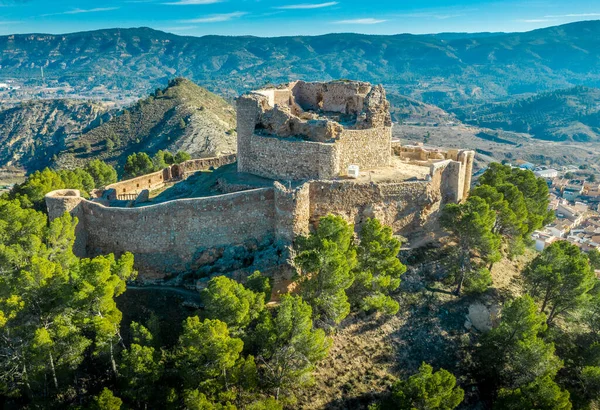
(302, 136)
(313, 130)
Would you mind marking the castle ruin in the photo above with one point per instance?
(297, 143)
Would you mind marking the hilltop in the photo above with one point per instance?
(565, 115)
(445, 70)
(180, 117)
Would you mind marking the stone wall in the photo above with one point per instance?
(278, 140)
(403, 206)
(233, 232)
(289, 159)
(200, 164)
(178, 236)
(456, 166)
(338, 96)
(136, 185)
(292, 212)
(369, 148)
(157, 179)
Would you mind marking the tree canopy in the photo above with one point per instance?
(54, 308)
(512, 354)
(31, 193)
(138, 164)
(534, 190)
(471, 224)
(229, 301)
(326, 259)
(560, 278)
(427, 390)
(102, 173)
(288, 346)
(378, 268)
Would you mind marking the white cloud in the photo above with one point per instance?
(216, 18)
(307, 6)
(360, 21)
(80, 11)
(576, 15)
(192, 2)
(94, 10)
(535, 21)
(431, 15)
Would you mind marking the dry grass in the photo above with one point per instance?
(505, 273)
(370, 352)
(358, 368)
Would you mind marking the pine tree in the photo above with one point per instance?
(512, 355)
(287, 345)
(138, 164)
(378, 270)
(471, 225)
(206, 355)
(560, 278)
(542, 394)
(229, 301)
(326, 259)
(54, 308)
(141, 366)
(102, 173)
(427, 390)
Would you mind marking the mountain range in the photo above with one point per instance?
(446, 70)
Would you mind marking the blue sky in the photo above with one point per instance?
(291, 17)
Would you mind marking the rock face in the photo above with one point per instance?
(320, 112)
(481, 317)
(181, 117)
(31, 133)
(376, 109)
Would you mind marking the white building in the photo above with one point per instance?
(546, 173)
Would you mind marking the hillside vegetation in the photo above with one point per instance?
(443, 70)
(565, 115)
(181, 117)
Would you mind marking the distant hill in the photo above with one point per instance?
(406, 110)
(566, 115)
(32, 133)
(181, 117)
(444, 69)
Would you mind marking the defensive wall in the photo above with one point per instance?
(302, 136)
(239, 232)
(176, 237)
(134, 186)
